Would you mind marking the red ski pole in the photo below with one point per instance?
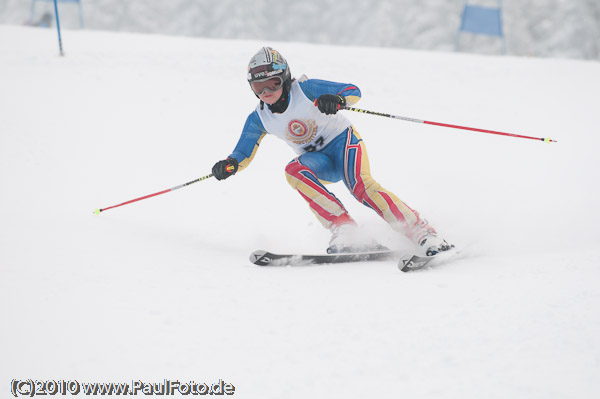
(364, 111)
(98, 210)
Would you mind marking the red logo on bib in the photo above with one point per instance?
(301, 131)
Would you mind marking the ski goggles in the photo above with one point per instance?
(260, 87)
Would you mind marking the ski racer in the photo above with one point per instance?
(304, 113)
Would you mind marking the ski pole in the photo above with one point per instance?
(58, 29)
(98, 210)
(364, 111)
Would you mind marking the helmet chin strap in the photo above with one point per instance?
(280, 105)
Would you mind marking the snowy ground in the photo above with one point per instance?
(163, 288)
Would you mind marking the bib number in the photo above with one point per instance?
(314, 147)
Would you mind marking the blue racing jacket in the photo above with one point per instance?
(301, 125)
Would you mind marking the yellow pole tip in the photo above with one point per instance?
(97, 211)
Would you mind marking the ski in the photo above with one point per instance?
(411, 263)
(265, 258)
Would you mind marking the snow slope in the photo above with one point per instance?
(163, 289)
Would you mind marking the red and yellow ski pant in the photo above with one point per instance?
(345, 158)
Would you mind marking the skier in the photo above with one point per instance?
(304, 113)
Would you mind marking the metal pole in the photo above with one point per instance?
(58, 28)
(364, 111)
(98, 210)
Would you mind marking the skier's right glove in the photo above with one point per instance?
(225, 168)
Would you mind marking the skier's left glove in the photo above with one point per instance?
(330, 103)
(225, 168)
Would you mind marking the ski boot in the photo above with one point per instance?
(431, 245)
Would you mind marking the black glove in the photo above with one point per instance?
(330, 103)
(225, 168)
